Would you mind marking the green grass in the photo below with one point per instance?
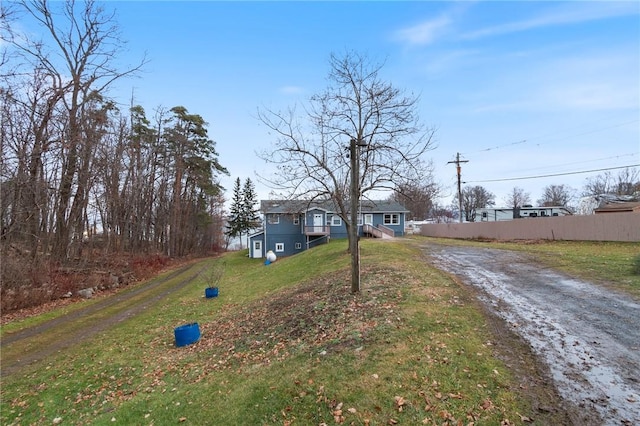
(287, 344)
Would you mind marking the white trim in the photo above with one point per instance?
(394, 219)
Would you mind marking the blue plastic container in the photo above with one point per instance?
(210, 292)
(187, 334)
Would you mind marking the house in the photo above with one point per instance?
(292, 226)
(506, 213)
(618, 207)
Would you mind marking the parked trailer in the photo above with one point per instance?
(498, 214)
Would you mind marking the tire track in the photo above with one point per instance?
(90, 321)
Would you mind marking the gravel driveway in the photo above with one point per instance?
(588, 336)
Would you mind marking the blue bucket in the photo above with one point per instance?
(210, 292)
(187, 334)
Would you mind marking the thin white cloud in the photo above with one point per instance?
(575, 12)
(424, 33)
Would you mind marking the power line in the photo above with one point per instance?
(551, 135)
(616, 157)
(552, 175)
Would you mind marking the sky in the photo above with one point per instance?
(518, 89)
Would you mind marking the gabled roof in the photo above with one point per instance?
(300, 206)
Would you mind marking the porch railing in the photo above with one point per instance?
(377, 231)
(317, 230)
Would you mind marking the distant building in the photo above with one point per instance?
(609, 203)
(506, 213)
(619, 207)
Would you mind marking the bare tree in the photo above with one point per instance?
(556, 195)
(76, 61)
(517, 198)
(418, 198)
(361, 134)
(473, 198)
(626, 182)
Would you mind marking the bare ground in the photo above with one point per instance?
(587, 337)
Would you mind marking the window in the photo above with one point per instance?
(273, 219)
(359, 220)
(336, 220)
(391, 219)
(296, 219)
(298, 246)
(279, 247)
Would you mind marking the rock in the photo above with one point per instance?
(87, 293)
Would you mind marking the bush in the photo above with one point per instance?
(23, 283)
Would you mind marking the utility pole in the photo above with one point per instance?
(459, 170)
(354, 247)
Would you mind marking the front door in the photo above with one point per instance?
(257, 249)
(368, 219)
(318, 222)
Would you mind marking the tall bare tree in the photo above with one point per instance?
(75, 59)
(473, 198)
(626, 182)
(361, 134)
(517, 198)
(556, 195)
(418, 198)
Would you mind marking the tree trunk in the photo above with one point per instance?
(353, 222)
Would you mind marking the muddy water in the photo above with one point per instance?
(589, 336)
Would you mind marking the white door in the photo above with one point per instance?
(257, 248)
(318, 222)
(368, 219)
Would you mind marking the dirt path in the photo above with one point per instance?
(588, 336)
(35, 344)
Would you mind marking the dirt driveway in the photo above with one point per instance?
(35, 343)
(587, 335)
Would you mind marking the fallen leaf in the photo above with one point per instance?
(524, 418)
(400, 402)
(486, 404)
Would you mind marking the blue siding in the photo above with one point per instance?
(287, 236)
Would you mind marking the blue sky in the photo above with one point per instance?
(517, 88)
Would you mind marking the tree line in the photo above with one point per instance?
(421, 199)
(77, 172)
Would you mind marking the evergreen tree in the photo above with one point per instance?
(244, 214)
(234, 225)
(251, 218)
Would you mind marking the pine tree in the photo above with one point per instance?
(235, 222)
(251, 218)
